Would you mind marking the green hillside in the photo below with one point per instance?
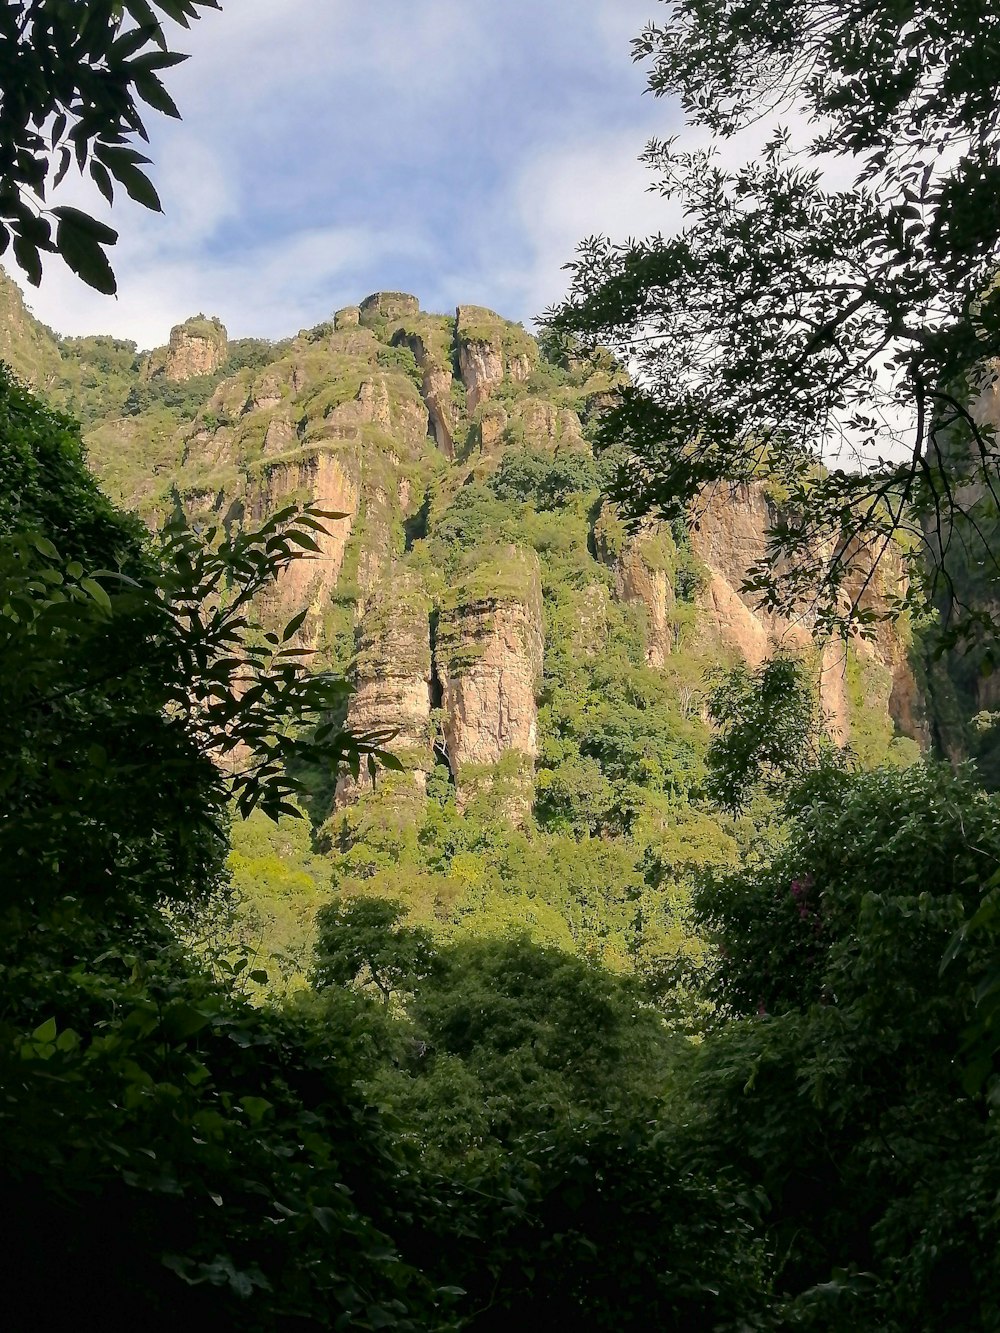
(605, 836)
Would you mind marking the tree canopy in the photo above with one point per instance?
(794, 321)
(72, 77)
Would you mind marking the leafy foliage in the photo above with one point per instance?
(835, 1082)
(769, 730)
(793, 321)
(72, 79)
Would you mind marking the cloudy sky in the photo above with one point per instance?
(457, 149)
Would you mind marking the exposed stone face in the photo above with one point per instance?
(435, 389)
(488, 350)
(637, 581)
(388, 305)
(198, 347)
(541, 423)
(280, 435)
(334, 419)
(489, 661)
(393, 679)
(730, 538)
(480, 365)
(492, 425)
(265, 393)
(308, 582)
(373, 407)
(569, 427)
(640, 580)
(519, 367)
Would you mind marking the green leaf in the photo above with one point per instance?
(138, 185)
(256, 1108)
(80, 246)
(152, 91)
(26, 254)
(77, 220)
(98, 594)
(184, 1020)
(99, 173)
(46, 1031)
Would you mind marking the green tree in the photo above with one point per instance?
(363, 941)
(832, 1077)
(792, 321)
(72, 77)
(770, 730)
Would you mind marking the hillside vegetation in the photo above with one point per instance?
(614, 1001)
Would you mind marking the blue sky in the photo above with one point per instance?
(333, 147)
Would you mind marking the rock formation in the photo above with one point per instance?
(387, 306)
(197, 347)
(393, 679)
(488, 654)
(436, 386)
(490, 349)
(641, 577)
(308, 582)
(428, 587)
(730, 538)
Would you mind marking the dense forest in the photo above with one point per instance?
(446, 882)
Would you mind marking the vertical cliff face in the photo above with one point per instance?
(641, 577)
(457, 462)
(432, 361)
(490, 350)
(489, 651)
(197, 347)
(310, 580)
(730, 538)
(393, 679)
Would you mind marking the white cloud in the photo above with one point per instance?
(268, 290)
(328, 148)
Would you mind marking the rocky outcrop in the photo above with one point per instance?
(393, 680)
(480, 365)
(373, 405)
(490, 349)
(321, 479)
(280, 435)
(348, 318)
(489, 650)
(493, 422)
(197, 347)
(387, 306)
(266, 392)
(730, 538)
(641, 577)
(435, 388)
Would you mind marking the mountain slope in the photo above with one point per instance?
(542, 668)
